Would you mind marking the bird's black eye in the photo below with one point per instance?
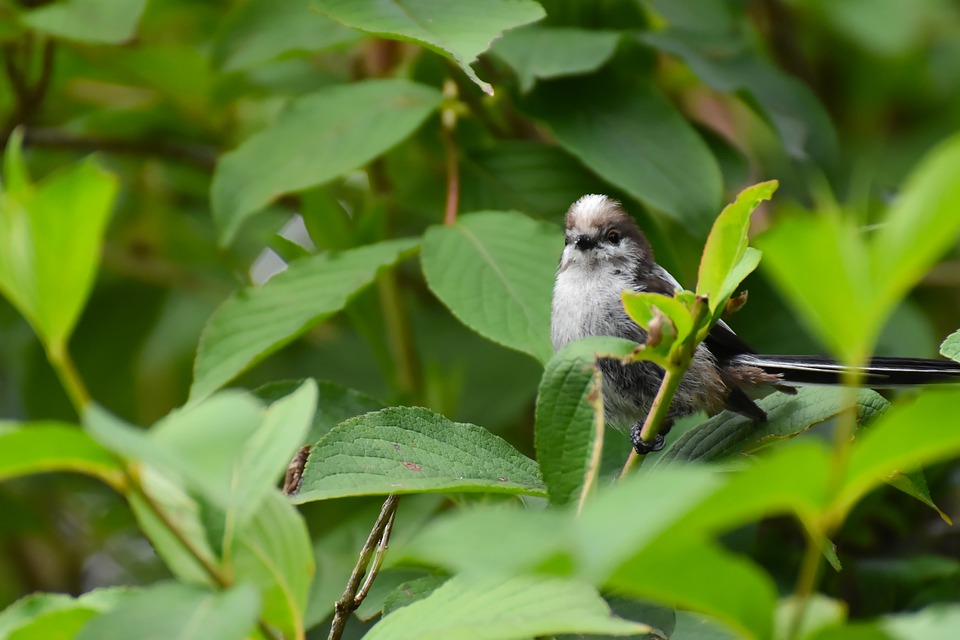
(613, 236)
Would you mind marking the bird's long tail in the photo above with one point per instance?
(880, 373)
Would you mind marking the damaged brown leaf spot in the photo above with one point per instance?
(413, 466)
(655, 329)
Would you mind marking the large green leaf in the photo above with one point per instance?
(494, 271)
(684, 574)
(50, 238)
(466, 608)
(846, 286)
(228, 448)
(261, 30)
(97, 21)
(174, 610)
(257, 321)
(39, 447)
(787, 415)
(550, 52)
(523, 175)
(725, 62)
(272, 550)
(51, 616)
(636, 140)
(907, 437)
(566, 434)
(413, 450)
(822, 266)
(921, 224)
(460, 31)
(318, 138)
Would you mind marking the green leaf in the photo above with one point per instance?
(334, 404)
(847, 288)
(267, 453)
(273, 552)
(261, 30)
(566, 437)
(951, 346)
(523, 175)
(174, 610)
(788, 481)
(50, 238)
(822, 266)
(40, 447)
(459, 31)
(227, 448)
(931, 623)
(684, 573)
(644, 307)
(725, 62)
(907, 437)
(352, 124)
(787, 415)
(921, 224)
(495, 608)
(914, 484)
(410, 592)
(185, 513)
(494, 540)
(819, 612)
(636, 140)
(49, 616)
(495, 272)
(97, 21)
(550, 52)
(257, 321)
(413, 450)
(725, 262)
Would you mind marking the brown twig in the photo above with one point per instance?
(358, 587)
(198, 155)
(448, 124)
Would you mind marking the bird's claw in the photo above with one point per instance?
(642, 447)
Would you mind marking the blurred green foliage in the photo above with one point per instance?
(176, 155)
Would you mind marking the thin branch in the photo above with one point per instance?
(376, 543)
(448, 123)
(200, 156)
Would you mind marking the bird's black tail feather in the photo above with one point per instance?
(880, 373)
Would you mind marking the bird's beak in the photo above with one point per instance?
(585, 242)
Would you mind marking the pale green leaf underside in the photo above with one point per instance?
(951, 346)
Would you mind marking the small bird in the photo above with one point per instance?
(605, 253)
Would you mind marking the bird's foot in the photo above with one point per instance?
(641, 447)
